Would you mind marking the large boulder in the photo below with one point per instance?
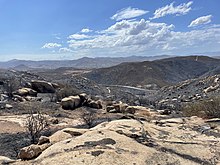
(25, 92)
(120, 108)
(94, 104)
(133, 109)
(43, 86)
(71, 102)
(29, 152)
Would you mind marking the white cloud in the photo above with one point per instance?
(78, 36)
(201, 20)
(181, 9)
(65, 50)
(86, 30)
(58, 38)
(124, 24)
(127, 33)
(128, 13)
(51, 45)
(129, 37)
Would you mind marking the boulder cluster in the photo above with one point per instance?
(73, 102)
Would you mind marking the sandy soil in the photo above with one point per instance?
(10, 127)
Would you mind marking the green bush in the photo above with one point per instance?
(205, 109)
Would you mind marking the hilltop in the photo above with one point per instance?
(160, 72)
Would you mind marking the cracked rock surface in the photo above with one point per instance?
(178, 141)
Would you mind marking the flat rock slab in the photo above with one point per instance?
(132, 142)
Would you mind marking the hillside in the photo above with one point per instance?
(161, 72)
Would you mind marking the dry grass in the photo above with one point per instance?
(205, 109)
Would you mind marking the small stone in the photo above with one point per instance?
(8, 106)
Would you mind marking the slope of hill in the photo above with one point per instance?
(161, 72)
(192, 90)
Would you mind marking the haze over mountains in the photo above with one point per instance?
(85, 62)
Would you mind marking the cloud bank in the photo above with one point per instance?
(128, 37)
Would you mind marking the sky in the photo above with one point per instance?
(71, 29)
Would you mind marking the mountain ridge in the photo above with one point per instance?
(82, 63)
(160, 72)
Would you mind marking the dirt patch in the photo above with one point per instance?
(10, 127)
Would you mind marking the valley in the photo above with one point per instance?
(164, 111)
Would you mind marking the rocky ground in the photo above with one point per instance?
(188, 91)
(131, 141)
(88, 123)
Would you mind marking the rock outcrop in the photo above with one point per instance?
(94, 104)
(26, 92)
(71, 102)
(43, 86)
(167, 141)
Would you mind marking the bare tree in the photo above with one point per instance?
(35, 124)
(88, 118)
(10, 85)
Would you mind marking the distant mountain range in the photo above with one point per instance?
(160, 72)
(82, 63)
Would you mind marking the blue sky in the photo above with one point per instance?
(70, 29)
